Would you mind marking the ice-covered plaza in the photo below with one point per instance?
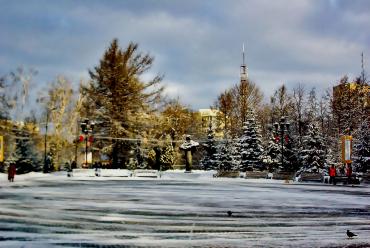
(53, 210)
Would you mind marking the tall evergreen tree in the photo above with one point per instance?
(211, 159)
(272, 153)
(312, 155)
(290, 153)
(362, 148)
(287, 156)
(250, 145)
(298, 110)
(139, 161)
(118, 98)
(168, 155)
(227, 161)
(26, 155)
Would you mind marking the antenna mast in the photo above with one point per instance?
(243, 68)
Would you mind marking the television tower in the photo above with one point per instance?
(243, 69)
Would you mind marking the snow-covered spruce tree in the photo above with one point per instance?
(139, 161)
(235, 154)
(25, 153)
(290, 154)
(272, 153)
(226, 159)
(250, 146)
(152, 158)
(331, 159)
(362, 148)
(167, 158)
(312, 155)
(210, 160)
(286, 146)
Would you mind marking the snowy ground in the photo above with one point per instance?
(55, 211)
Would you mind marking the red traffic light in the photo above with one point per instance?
(81, 138)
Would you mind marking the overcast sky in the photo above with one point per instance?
(196, 44)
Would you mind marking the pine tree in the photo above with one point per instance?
(282, 147)
(290, 153)
(235, 154)
(250, 146)
(226, 159)
(362, 148)
(168, 156)
(210, 161)
(272, 153)
(118, 99)
(312, 155)
(140, 161)
(25, 153)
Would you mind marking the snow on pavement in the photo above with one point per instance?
(40, 210)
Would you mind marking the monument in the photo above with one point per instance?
(189, 147)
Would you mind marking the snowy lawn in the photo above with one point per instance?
(55, 211)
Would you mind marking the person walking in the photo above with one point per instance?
(11, 172)
(349, 172)
(332, 174)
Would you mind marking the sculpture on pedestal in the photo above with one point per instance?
(189, 147)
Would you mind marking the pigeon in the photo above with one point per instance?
(229, 213)
(350, 234)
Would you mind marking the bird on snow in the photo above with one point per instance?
(350, 234)
(229, 213)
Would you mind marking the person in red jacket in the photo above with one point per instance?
(349, 172)
(11, 172)
(332, 174)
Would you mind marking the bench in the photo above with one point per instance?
(343, 179)
(114, 173)
(257, 174)
(145, 173)
(283, 176)
(310, 177)
(231, 174)
(82, 173)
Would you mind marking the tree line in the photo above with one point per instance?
(137, 126)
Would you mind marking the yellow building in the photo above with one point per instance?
(209, 117)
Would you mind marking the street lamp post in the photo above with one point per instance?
(46, 169)
(87, 127)
(281, 128)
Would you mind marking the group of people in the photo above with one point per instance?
(333, 173)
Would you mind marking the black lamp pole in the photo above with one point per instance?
(87, 127)
(281, 128)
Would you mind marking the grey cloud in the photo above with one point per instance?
(197, 44)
